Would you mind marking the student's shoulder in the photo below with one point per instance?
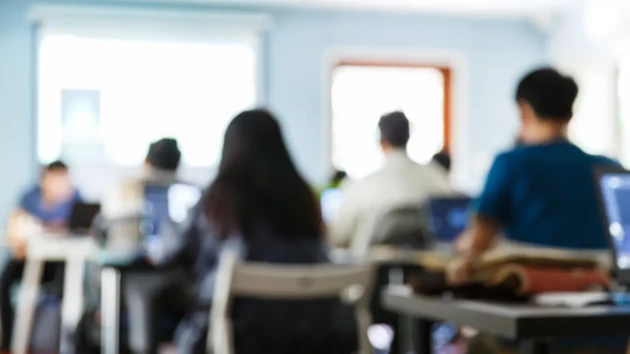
(601, 160)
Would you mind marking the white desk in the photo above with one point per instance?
(74, 251)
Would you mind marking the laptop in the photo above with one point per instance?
(613, 186)
(331, 200)
(448, 217)
(82, 216)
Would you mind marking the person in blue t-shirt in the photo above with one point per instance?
(542, 190)
(50, 202)
(48, 205)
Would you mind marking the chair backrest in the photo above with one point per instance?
(406, 226)
(287, 282)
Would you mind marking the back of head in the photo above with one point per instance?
(443, 159)
(549, 93)
(164, 155)
(257, 181)
(394, 128)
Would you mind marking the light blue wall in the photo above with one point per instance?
(296, 47)
(17, 132)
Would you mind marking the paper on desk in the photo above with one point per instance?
(571, 299)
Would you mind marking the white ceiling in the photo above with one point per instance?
(519, 8)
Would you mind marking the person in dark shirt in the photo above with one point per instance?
(541, 191)
(261, 209)
(46, 206)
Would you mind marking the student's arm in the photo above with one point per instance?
(492, 212)
(20, 223)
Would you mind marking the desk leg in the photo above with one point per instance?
(72, 307)
(533, 347)
(27, 304)
(110, 311)
(424, 339)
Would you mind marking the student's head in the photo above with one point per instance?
(257, 182)
(337, 177)
(55, 182)
(443, 159)
(394, 128)
(546, 97)
(164, 155)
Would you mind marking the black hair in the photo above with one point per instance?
(394, 129)
(338, 176)
(57, 165)
(443, 159)
(550, 94)
(258, 182)
(164, 154)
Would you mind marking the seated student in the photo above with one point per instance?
(143, 294)
(259, 207)
(541, 191)
(47, 207)
(400, 182)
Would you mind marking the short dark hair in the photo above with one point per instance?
(443, 159)
(550, 94)
(164, 154)
(394, 129)
(57, 165)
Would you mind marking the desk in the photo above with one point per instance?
(528, 324)
(141, 282)
(74, 251)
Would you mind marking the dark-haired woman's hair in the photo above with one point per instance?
(550, 94)
(258, 184)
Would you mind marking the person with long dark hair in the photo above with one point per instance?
(261, 208)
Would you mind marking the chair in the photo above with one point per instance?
(404, 227)
(295, 282)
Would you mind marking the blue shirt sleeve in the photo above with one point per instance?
(29, 201)
(494, 201)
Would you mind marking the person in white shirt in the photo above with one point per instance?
(399, 183)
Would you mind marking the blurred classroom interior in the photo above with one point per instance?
(432, 153)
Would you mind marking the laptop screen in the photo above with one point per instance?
(448, 217)
(615, 192)
(331, 200)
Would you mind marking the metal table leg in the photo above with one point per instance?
(72, 307)
(424, 339)
(27, 304)
(533, 347)
(110, 311)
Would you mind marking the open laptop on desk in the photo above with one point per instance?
(448, 218)
(613, 186)
(82, 216)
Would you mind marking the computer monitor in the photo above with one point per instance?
(167, 203)
(448, 217)
(613, 186)
(330, 201)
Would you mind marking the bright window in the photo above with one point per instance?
(103, 100)
(360, 94)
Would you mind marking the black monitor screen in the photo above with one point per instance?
(616, 198)
(448, 217)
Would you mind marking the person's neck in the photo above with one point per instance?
(394, 151)
(544, 133)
